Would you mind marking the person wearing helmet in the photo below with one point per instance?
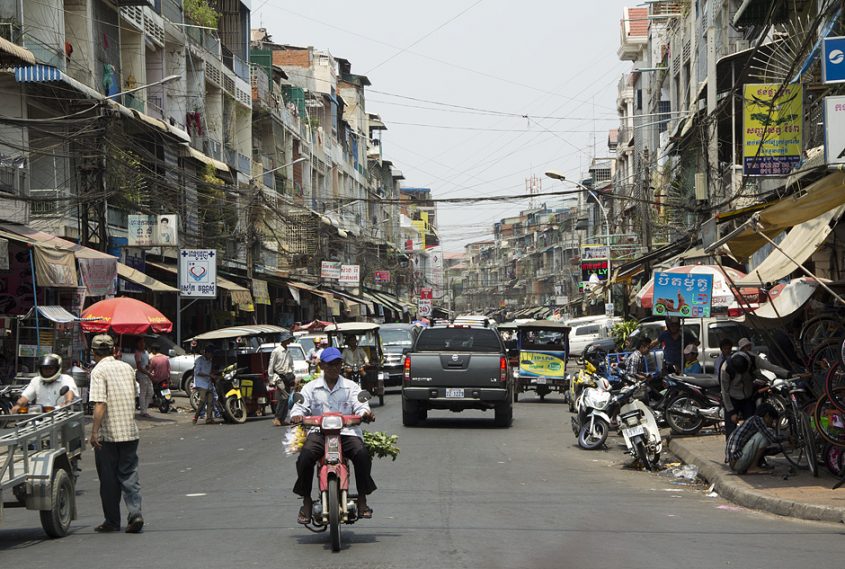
(320, 344)
(280, 372)
(45, 388)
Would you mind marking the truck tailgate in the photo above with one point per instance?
(459, 369)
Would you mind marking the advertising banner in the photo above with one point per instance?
(330, 270)
(593, 252)
(686, 296)
(542, 364)
(153, 230)
(382, 277)
(98, 275)
(597, 268)
(424, 308)
(772, 129)
(260, 292)
(350, 275)
(426, 294)
(198, 273)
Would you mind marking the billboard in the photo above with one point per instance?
(772, 128)
(153, 230)
(683, 295)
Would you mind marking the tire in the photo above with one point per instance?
(828, 417)
(834, 379)
(334, 513)
(188, 383)
(834, 459)
(410, 413)
(194, 398)
(234, 410)
(818, 330)
(56, 521)
(681, 424)
(164, 406)
(595, 440)
(504, 414)
(642, 453)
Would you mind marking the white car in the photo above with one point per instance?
(297, 352)
(587, 330)
(181, 362)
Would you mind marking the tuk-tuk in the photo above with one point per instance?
(507, 332)
(543, 350)
(368, 339)
(239, 346)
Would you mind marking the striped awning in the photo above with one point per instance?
(37, 74)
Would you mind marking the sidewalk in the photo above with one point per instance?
(799, 495)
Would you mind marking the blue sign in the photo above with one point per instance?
(687, 295)
(833, 60)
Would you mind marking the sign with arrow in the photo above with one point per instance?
(198, 273)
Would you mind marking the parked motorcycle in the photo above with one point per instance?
(692, 402)
(9, 395)
(232, 405)
(335, 506)
(162, 397)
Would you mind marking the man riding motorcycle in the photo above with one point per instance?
(280, 372)
(354, 357)
(45, 388)
(332, 392)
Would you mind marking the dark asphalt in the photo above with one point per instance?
(461, 494)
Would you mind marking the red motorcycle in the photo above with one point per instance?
(335, 506)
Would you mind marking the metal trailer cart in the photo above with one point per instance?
(38, 457)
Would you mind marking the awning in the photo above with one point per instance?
(16, 51)
(52, 313)
(238, 331)
(197, 155)
(32, 236)
(135, 276)
(631, 268)
(162, 126)
(800, 244)
(786, 300)
(819, 198)
(390, 301)
(356, 299)
(327, 296)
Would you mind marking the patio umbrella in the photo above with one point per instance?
(124, 315)
(723, 295)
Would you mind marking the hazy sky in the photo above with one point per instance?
(554, 61)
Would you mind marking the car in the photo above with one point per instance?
(587, 330)
(396, 341)
(181, 362)
(297, 352)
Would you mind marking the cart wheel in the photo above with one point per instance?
(56, 521)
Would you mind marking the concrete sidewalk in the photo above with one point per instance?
(779, 492)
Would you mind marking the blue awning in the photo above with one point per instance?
(37, 74)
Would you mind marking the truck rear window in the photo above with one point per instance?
(458, 340)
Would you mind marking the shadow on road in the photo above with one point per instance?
(348, 538)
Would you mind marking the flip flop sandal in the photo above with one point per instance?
(303, 517)
(365, 513)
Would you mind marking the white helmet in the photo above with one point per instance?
(50, 361)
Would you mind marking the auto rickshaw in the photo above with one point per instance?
(239, 345)
(543, 351)
(368, 339)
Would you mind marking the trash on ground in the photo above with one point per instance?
(712, 495)
(687, 472)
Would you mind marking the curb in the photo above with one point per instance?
(728, 487)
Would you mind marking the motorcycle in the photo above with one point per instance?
(692, 402)
(335, 506)
(352, 374)
(9, 395)
(634, 418)
(162, 397)
(231, 402)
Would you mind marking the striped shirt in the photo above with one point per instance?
(113, 383)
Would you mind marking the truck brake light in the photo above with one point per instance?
(503, 369)
(407, 369)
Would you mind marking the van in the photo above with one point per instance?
(587, 330)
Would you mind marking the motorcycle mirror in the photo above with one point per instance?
(364, 396)
(298, 398)
(64, 390)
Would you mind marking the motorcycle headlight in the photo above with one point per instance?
(236, 382)
(332, 423)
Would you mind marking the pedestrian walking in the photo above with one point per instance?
(142, 376)
(114, 437)
(203, 378)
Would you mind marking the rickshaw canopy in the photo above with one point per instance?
(238, 331)
(352, 327)
(543, 325)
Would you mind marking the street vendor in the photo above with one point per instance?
(45, 388)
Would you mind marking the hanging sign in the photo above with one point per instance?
(591, 268)
(771, 131)
(330, 270)
(198, 273)
(382, 277)
(350, 275)
(686, 296)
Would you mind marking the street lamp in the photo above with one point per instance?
(168, 79)
(297, 161)
(558, 176)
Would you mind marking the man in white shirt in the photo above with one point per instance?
(45, 388)
(354, 356)
(280, 372)
(332, 392)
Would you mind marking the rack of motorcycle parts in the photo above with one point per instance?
(38, 458)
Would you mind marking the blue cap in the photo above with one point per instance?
(330, 355)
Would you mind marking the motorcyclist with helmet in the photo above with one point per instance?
(45, 388)
(280, 372)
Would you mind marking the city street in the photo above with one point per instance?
(461, 494)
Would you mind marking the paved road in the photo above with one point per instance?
(461, 495)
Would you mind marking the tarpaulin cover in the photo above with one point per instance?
(55, 267)
(124, 315)
(98, 275)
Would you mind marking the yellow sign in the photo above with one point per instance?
(541, 364)
(421, 228)
(772, 128)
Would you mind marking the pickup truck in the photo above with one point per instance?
(457, 367)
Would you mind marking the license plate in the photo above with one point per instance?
(633, 431)
(540, 381)
(262, 400)
(454, 393)
(165, 392)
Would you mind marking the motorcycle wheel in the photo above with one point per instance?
(164, 406)
(681, 424)
(334, 513)
(642, 454)
(593, 440)
(234, 410)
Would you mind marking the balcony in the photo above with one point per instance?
(244, 164)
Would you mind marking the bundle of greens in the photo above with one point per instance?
(381, 444)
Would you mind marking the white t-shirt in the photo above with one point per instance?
(44, 393)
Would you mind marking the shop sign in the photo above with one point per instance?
(593, 252)
(834, 130)
(198, 273)
(153, 230)
(330, 270)
(350, 275)
(772, 128)
(597, 268)
(382, 277)
(686, 296)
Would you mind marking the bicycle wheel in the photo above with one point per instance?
(789, 427)
(825, 357)
(833, 380)
(818, 330)
(830, 420)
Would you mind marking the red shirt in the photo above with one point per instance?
(159, 368)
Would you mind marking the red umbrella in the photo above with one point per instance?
(124, 315)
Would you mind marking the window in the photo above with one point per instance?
(458, 339)
(587, 330)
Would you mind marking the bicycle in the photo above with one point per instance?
(794, 425)
(818, 330)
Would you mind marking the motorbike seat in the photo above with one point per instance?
(700, 379)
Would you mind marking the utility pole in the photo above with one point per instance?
(645, 212)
